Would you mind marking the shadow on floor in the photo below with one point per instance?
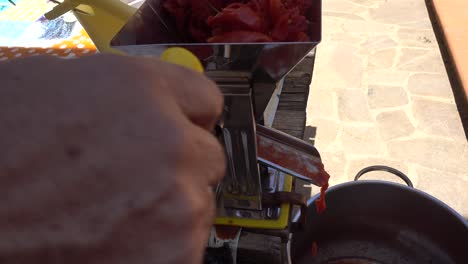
(458, 92)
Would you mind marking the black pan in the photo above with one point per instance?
(381, 222)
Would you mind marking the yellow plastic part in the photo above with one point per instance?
(104, 19)
(280, 223)
(182, 57)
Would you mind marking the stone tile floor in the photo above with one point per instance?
(380, 95)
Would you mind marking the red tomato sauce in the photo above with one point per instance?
(314, 249)
(321, 204)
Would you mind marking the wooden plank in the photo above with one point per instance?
(292, 126)
(257, 248)
(294, 97)
(301, 81)
(290, 106)
(296, 89)
(291, 114)
(286, 115)
(294, 133)
(290, 120)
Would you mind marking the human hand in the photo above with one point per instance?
(106, 159)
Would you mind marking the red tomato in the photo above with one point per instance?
(237, 16)
(276, 9)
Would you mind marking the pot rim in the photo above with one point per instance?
(399, 186)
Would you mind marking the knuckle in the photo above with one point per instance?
(217, 97)
(218, 154)
(177, 140)
(211, 158)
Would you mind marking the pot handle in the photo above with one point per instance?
(393, 171)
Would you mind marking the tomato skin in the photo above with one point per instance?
(237, 16)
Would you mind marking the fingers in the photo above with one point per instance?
(205, 155)
(198, 97)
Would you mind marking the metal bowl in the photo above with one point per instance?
(381, 222)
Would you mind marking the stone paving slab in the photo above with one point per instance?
(380, 95)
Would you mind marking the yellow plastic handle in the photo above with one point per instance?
(182, 57)
(61, 9)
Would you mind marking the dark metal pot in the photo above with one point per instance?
(381, 222)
